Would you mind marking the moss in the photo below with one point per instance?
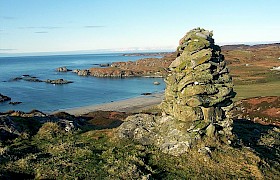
(181, 67)
(197, 43)
(203, 59)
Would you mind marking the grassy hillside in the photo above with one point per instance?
(97, 154)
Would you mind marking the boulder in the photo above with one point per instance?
(156, 83)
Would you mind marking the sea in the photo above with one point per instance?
(83, 91)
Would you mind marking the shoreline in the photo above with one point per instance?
(130, 105)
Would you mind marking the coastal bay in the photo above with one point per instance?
(84, 91)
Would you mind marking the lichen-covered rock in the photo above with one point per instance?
(197, 99)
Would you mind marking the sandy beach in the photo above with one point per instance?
(129, 105)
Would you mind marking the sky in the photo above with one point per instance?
(56, 26)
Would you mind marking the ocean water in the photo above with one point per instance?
(84, 91)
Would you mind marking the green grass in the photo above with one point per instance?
(98, 154)
(255, 90)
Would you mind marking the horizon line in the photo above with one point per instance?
(121, 50)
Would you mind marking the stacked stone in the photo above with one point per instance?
(199, 88)
(197, 100)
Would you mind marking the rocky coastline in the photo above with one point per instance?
(158, 67)
(147, 67)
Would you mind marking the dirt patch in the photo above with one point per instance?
(104, 119)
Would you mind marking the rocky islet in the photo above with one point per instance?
(197, 99)
(35, 79)
(4, 98)
(63, 69)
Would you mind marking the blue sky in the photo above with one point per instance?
(31, 26)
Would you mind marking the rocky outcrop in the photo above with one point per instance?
(4, 98)
(58, 81)
(110, 72)
(104, 65)
(35, 79)
(17, 123)
(62, 69)
(15, 103)
(26, 78)
(8, 129)
(197, 99)
(148, 67)
(80, 72)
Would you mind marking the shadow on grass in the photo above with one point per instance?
(14, 175)
(99, 120)
(260, 138)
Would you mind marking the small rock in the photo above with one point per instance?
(4, 98)
(15, 103)
(146, 94)
(104, 65)
(58, 81)
(156, 83)
(62, 69)
(205, 150)
(275, 68)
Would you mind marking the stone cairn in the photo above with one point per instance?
(197, 99)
